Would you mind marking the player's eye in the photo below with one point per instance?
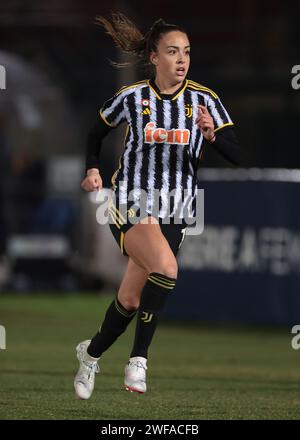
(172, 51)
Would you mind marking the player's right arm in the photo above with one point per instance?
(92, 180)
(111, 115)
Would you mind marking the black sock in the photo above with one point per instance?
(115, 323)
(154, 296)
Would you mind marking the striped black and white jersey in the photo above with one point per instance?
(162, 143)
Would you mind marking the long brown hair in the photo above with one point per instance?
(130, 39)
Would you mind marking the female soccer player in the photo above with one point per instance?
(168, 120)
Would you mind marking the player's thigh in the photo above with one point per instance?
(147, 246)
(132, 284)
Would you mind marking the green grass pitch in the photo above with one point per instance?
(195, 371)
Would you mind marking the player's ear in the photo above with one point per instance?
(154, 58)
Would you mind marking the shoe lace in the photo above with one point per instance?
(138, 364)
(92, 368)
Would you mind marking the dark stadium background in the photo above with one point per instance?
(57, 76)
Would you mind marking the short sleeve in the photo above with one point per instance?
(113, 110)
(218, 112)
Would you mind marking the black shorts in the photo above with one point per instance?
(119, 224)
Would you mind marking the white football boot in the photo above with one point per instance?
(135, 375)
(85, 378)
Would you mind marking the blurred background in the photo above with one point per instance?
(245, 267)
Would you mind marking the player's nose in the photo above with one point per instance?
(181, 58)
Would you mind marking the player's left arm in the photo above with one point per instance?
(217, 129)
(227, 144)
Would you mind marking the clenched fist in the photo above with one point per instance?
(92, 181)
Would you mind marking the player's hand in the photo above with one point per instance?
(92, 181)
(206, 123)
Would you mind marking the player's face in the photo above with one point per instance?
(172, 58)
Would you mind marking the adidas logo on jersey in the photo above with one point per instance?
(161, 135)
(146, 111)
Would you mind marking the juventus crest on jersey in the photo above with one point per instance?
(162, 143)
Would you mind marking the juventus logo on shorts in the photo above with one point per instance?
(147, 317)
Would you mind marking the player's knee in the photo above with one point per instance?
(130, 303)
(167, 267)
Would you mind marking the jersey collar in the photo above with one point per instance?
(160, 95)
